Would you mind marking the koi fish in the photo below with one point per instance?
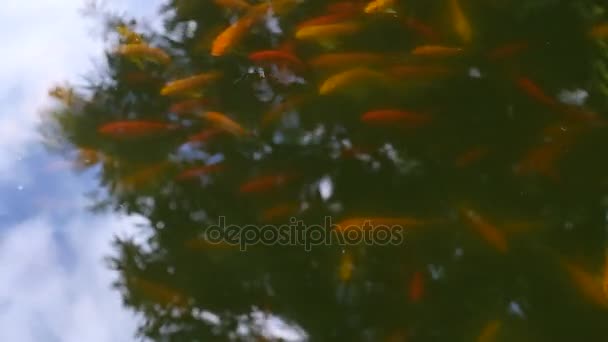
(159, 293)
(422, 29)
(189, 84)
(372, 222)
(143, 177)
(599, 31)
(490, 233)
(588, 285)
(347, 266)
(461, 24)
(327, 31)
(328, 19)
(198, 171)
(277, 56)
(143, 51)
(507, 50)
(351, 76)
(394, 116)
(135, 129)
(205, 135)
(489, 331)
(189, 106)
(471, 156)
(232, 35)
(378, 6)
(416, 288)
(223, 122)
(265, 183)
(436, 51)
(279, 211)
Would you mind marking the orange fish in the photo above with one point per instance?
(489, 331)
(507, 50)
(189, 106)
(436, 51)
(345, 7)
(265, 183)
(461, 23)
(135, 129)
(221, 121)
(205, 135)
(394, 116)
(471, 156)
(599, 31)
(143, 177)
(327, 31)
(534, 91)
(282, 57)
(196, 172)
(605, 276)
(232, 35)
(189, 84)
(349, 59)
(378, 6)
(587, 284)
(279, 211)
(494, 236)
(373, 222)
(347, 266)
(416, 290)
(332, 18)
(159, 293)
(144, 51)
(422, 29)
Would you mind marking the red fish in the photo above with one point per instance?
(393, 116)
(195, 172)
(282, 57)
(416, 289)
(135, 128)
(422, 29)
(265, 183)
(279, 211)
(190, 106)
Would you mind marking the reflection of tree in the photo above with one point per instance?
(450, 155)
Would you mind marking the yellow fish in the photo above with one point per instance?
(377, 6)
(461, 23)
(141, 51)
(189, 84)
(587, 284)
(232, 35)
(128, 35)
(347, 266)
(489, 331)
(327, 31)
(351, 76)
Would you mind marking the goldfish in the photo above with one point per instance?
(160, 293)
(489, 331)
(416, 288)
(507, 50)
(135, 128)
(189, 84)
(471, 156)
(346, 268)
(344, 7)
(327, 31)
(599, 31)
(351, 76)
(422, 29)
(494, 236)
(232, 35)
(377, 6)
(197, 171)
(265, 183)
(128, 35)
(534, 91)
(144, 176)
(605, 276)
(396, 117)
(233, 4)
(87, 157)
(277, 56)
(372, 222)
(328, 19)
(223, 122)
(279, 211)
(589, 286)
(189, 106)
(461, 24)
(205, 135)
(140, 51)
(436, 51)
